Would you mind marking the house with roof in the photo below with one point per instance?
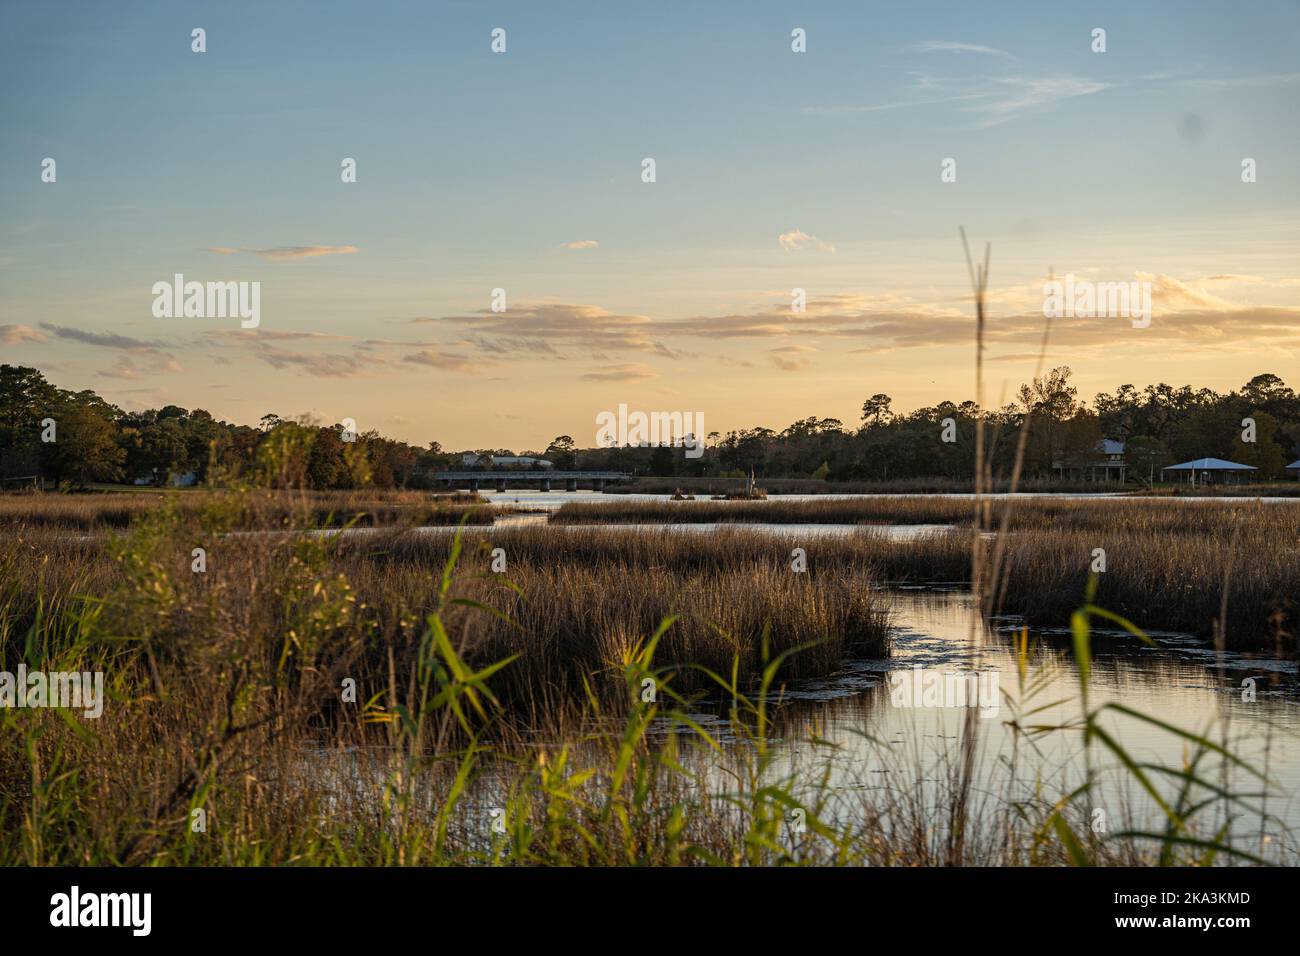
(1295, 466)
(1209, 471)
(1105, 463)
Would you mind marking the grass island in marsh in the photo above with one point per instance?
(263, 510)
(1168, 564)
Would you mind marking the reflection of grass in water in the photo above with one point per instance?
(1168, 814)
(213, 710)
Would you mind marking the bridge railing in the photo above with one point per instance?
(543, 479)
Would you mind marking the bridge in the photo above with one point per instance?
(543, 479)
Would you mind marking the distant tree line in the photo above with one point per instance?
(95, 441)
(1160, 425)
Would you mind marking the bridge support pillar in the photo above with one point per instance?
(598, 484)
(473, 484)
(501, 484)
(571, 484)
(545, 484)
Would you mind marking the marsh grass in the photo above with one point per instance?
(258, 509)
(1165, 560)
(579, 604)
(225, 699)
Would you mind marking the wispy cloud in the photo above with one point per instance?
(627, 372)
(797, 239)
(993, 99)
(17, 334)
(1236, 82)
(320, 364)
(108, 340)
(354, 362)
(244, 336)
(364, 358)
(122, 368)
(952, 46)
(787, 358)
(580, 244)
(882, 107)
(1014, 96)
(1185, 313)
(1170, 293)
(587, 326)
(281, 253)
(512, 345)
(125, 368)
(447, 361)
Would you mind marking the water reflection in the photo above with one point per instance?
(881, 744)
(551, 500)
(845, 745)
(895, 532)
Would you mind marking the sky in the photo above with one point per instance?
(523, 171)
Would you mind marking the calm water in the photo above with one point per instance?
(881, 755)
(551, 500)
(1181, 683)
(896, 532)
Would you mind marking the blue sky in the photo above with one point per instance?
(476, 169)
